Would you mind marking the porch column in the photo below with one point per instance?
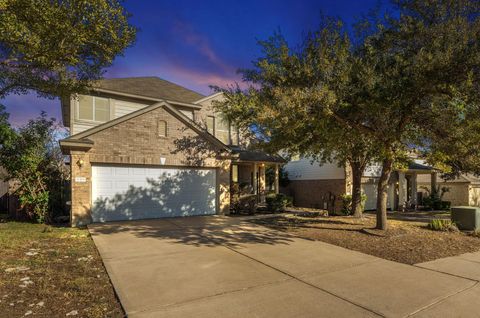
(255, 170)
(413, 189)
(277, 187)
(433, 181)
(402, 193)
(391, 196)
(262, 183)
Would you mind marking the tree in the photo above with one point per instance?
(418, 64)
(296, 97)
(378, 95)
(58, 47)
(32, 158)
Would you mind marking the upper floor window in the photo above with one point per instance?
(93, 108)
(223, 130)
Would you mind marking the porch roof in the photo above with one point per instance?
(256, 156)
(420, 167)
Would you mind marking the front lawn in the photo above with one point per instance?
(52, 272)
(405, 241)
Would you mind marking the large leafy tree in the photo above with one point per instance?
(303, 101)
(377, 97)
(32, 159)
(420, 64)
(58, 47)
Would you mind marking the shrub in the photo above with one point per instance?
(442, 225)
(434, 199)
(347, 203)
(246, 203)
(278, 202)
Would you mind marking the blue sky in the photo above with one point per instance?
(201, 43)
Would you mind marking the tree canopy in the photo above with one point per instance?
(58, 47)
(380, 93)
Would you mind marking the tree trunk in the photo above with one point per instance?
(357, 172)
(382, 194)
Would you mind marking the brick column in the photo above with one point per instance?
(81, 185)
(223, 182)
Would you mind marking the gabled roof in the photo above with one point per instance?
(81, 139)
(153, 87)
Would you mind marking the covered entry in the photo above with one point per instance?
(122, 192)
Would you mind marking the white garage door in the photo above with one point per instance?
(370, 190)
(132, 192)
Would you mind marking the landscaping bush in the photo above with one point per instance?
(446, 205)
(278, 202)
(442, 225)
(347, 204)
(434, 199)
(243, 201)
(246, 203)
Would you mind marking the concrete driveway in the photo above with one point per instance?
(227, 267)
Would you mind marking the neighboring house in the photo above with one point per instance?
(463, 190)
(148, 148)
(9, 202)
(322, 186)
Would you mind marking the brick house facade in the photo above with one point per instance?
(133, 141)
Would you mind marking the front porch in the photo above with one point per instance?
(255, 173)
(406, 193)
(251, 178)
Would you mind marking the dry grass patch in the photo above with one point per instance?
(405, 242)
(52, 272)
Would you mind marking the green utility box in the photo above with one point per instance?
(466, 217)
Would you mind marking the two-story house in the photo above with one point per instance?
(147, 148)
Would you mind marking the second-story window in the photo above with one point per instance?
(223, 130)
(93, 108)
(211, 125)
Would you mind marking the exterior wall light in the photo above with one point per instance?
(80, 163)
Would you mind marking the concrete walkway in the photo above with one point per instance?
(465, 266)
(226, 267)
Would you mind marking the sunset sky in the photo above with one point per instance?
(201, 43)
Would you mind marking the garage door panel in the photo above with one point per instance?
(159, 193)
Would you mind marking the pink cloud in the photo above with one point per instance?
(199, 80)
(201, 44)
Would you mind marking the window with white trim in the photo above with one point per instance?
(93, 108)
(223, 130)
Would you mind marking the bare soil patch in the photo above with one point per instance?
(406, 242)
(52, 272)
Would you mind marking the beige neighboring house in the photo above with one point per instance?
(147, 148)
(463, 190)
(321, 186)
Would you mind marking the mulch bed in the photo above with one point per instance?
(52, 272)
(404, 242)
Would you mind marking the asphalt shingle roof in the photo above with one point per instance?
(256, 155)
(153, 87)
